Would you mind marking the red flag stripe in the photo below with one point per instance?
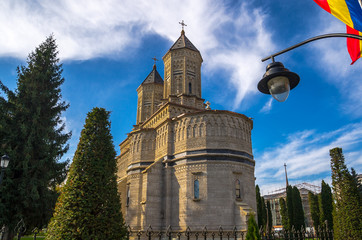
(323, 4)
(354, 45)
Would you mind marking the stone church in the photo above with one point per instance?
(184, 164)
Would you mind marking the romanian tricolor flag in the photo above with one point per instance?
(349, 12)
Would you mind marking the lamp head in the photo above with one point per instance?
(4, 161)
(278, 81)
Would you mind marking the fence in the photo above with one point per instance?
(220, 234)
(188, 234)
(318, 234)
(233, 234)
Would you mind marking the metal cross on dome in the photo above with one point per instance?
(154, 59)
(182, 24)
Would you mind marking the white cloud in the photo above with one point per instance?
(335, 64)
(231, 40)
(306, 154)
(268, 106)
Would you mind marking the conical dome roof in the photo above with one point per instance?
(183, 42)
(153, 77)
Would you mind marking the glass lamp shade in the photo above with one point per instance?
(4, 161)
(278, 81)
(279, 88)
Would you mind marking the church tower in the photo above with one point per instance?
(185, 164)
(183, 74)
(149, 95)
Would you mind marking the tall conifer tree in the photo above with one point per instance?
(326, 206)
(314, 209)
(347, 217)
(298, 212)
(289, 204)
(33, 137)
(269, 217)
(259, 206)
(284, 213)
(89, 205)
(264, 213)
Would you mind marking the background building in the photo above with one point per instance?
(184, 164)
(303, 188)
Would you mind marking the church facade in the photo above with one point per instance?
(184, 164)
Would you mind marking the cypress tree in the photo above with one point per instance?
(284, 213)
(289, 204)
(314, 209)
(89, 205)
(326, 206)
(259, 206)
(269, 217)
(32, 134)
(253, 232)
(347, 215)
(298, 212)
(357, 182)
(264, 213)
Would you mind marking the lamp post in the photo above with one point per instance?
(3, 165)
(278, 81)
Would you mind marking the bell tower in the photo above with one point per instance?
(182, 79)
(149, 95)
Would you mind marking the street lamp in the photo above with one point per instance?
(3, 165)
(278, 81)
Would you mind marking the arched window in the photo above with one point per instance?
(128, 195)
(196, 189)
(237, 189)
(190, 88)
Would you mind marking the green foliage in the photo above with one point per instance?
(358, 183)
(269, 217)
(326, 206)
(32, 134)
(298, 213)
(259, 206)
(89, 205)
(253, 232)
(289, 204)
(294, 210)
(283, 212)
(347, 215)
(264, 213)
(314, 209)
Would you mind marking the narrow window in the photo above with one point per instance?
(190, 88)
(237, 188)
(128, 195)
(196, 189)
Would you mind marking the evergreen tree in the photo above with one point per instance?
(326, 206)
(314, 209)
(289, 204)
(264, 213)
(259, 206)
(32, 134)
(347, 215)
(358, 183)
(284, 213)
(298, 212)
(253, 232)
(89, 205)
(269, 217)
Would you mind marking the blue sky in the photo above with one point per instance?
(106, 49)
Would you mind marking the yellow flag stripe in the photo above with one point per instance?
(340, 10)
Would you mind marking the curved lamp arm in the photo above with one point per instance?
(330, 35)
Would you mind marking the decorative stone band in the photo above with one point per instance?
(212, 155)
(198, 155)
